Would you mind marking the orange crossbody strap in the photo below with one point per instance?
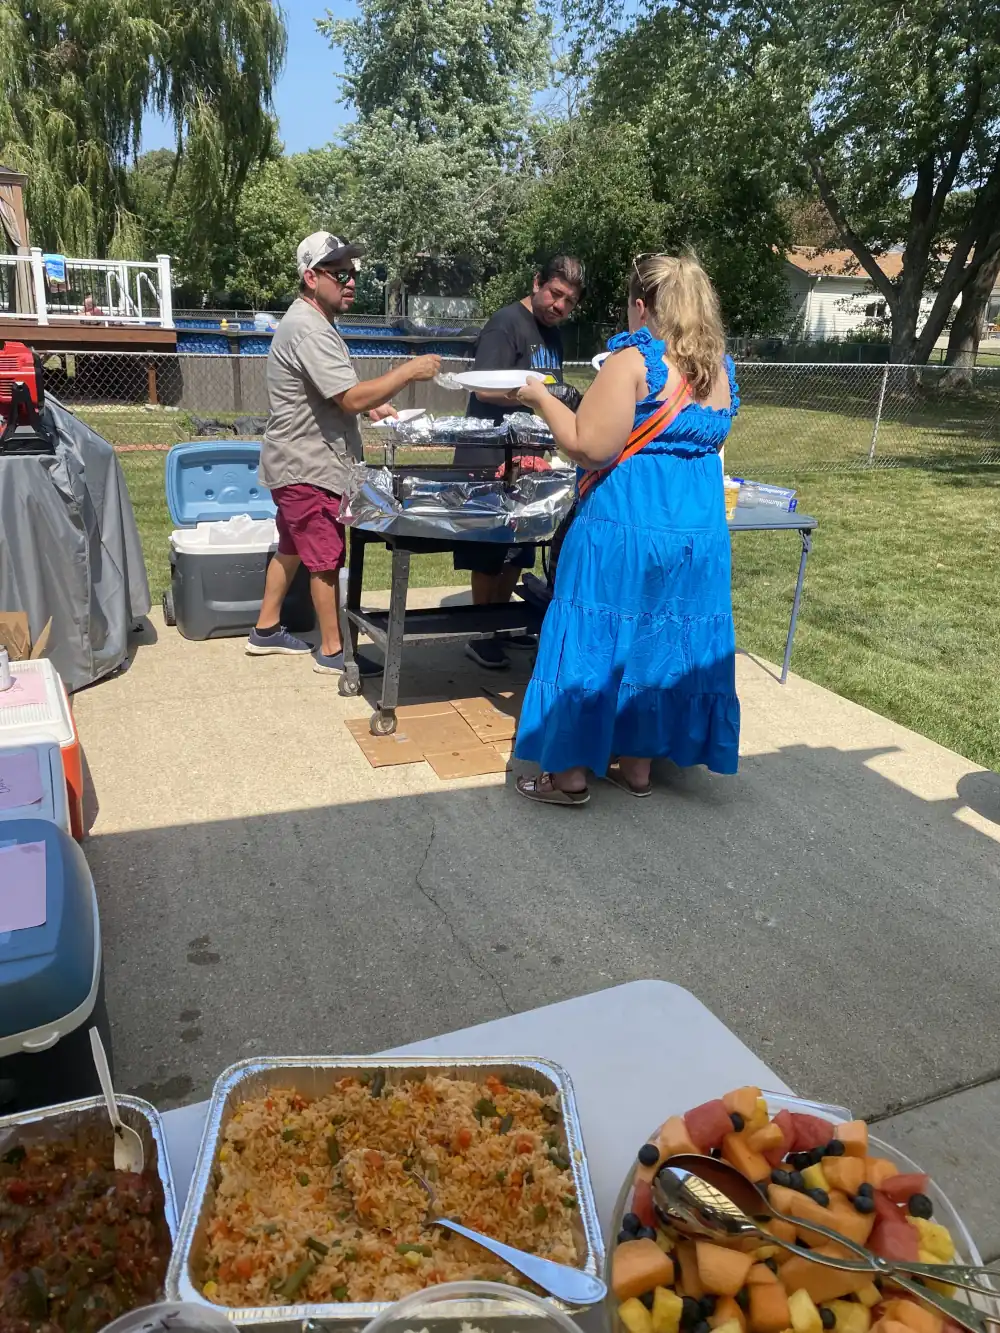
(641, 435)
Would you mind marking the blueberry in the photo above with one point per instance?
(716, 1153)
(835, 1149)
(864, 1203)
(690, 1313)
(816, 1155)
(707, 1304)
(779, 1177)
(799, 1160)
(702, 1327)
(646, 1233)
(795, 1180)
(743, 1299)
(624, 1235)
(738, 1122)
(821, 1197)
(828, 1317)
(920, 1206)
(647, 1299)
(867, 1190)
(772, 1264)
(631, 1223)
(649, 1154)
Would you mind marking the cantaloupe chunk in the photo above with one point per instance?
(742, 1102)
(917, 1317)
(854, 1137)
(769, 1308)
(672, 1138)
(878, 1169)
(844, 1173)
(687, 1262)
(890, 1326)
(722, 1272)
(799, 1205)
(782, 1230)
(638, 1266)
(727, 1312)
(761, 1276)
(846, 1219)
(823, 1284)
(737, 1151)
(764, 1139)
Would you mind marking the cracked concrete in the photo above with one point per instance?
(835, 904)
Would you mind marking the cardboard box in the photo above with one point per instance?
(459, 738)
(15, 636)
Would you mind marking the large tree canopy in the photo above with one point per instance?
(76, 78)
(887, 110)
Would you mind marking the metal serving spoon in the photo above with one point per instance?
(129, 1154)
(708, 1197)
(560, 1280)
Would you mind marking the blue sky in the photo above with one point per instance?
(306, 97)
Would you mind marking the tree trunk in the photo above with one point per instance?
(905, 312)
(963, 341)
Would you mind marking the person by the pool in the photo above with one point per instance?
(636, 658)
(521, 336)
(312, 437)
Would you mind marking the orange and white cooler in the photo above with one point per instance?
(41, 711)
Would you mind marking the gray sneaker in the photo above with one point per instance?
(263, 645)
(333, 664)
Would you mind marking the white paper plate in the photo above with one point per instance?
(599, 359)
(407, 414)
(497, 381)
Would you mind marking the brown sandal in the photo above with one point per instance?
(529, 788)
(617, 778)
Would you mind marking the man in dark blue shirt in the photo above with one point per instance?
(522, 336)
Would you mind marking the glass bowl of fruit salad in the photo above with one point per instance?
(816, 1163)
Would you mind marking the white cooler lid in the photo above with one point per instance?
(48, 717)
(234, 536)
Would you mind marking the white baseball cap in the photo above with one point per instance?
(323, 248)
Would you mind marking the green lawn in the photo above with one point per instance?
(901, 609)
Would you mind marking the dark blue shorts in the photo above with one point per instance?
(492, 558)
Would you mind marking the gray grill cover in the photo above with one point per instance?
(70, 549)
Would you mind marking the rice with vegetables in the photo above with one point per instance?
(315, 1200)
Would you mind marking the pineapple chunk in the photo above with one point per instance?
(869, 1296)
(805, 1316)
(945, 1288)
(934, 1238)
(635, 1316)
(667, 1308)
(665, 1241)
(815, 1179)
(760, 1116)
(851, 1316)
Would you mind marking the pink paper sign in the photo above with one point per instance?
(20, 779)
(22, 886)
(28, 688)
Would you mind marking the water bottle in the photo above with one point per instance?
(6, 677)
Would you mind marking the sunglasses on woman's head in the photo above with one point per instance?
(641, 259)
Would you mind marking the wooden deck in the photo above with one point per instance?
(88, 335)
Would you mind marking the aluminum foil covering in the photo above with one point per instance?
(448, 430)
(66, 1119)
(316, 1077)
(529, 430)
(459, 506)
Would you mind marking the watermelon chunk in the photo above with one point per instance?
(811, 1132)
(786, 1121)
(895, 1240)
(642, 1203)
(886, 1210)
(708, 1124)
(901, 1188)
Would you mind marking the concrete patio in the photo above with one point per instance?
(264, 890)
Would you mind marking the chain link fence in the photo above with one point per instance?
(793, 417)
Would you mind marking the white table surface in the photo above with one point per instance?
(635, 1053)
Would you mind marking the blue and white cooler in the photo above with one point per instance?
(223, 541)
(51, 975)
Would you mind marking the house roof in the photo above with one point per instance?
(13, 174)
(840, 263)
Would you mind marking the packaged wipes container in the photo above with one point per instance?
(223, 542)
(50, 968)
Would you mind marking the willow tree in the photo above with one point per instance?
(76, 77)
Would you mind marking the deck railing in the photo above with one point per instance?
(123, 291)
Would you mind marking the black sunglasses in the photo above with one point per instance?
(340, 275)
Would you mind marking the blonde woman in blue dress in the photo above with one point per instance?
(636, 659)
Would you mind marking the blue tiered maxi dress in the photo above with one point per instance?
(637, 650)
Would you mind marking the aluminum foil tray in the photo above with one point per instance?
(530, 430)
(55, 1122)
(449, 430)
(315, 1077)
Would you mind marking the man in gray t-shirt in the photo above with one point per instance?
(312, 437)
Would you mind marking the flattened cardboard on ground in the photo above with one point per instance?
(467, 763)
(15, 636)
(454, 745)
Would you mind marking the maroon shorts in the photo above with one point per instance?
(309, 526)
